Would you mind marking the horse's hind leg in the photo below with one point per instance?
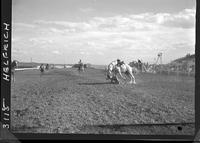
(134, 82)
(130, 76)
(117, 80)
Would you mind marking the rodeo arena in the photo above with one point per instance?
(118, 98)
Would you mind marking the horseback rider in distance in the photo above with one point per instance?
(80, 66)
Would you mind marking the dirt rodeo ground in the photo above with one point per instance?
(64, 101)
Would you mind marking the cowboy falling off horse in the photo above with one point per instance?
(119, 67)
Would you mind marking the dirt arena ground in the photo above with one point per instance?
(64, 101)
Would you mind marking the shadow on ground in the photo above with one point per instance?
(95, 83)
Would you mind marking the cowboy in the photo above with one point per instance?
(119, 62)
(47, 67)
(140, 64)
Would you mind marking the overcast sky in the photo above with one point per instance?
(100, 31)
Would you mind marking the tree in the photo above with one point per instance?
(188, 55)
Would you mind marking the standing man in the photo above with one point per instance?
(140, 65)
(80, 66)
(42, 68)
(47, 67)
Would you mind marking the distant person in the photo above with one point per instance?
(41, 68)
(118, 62)
(80, 66)
(47, 67)
(140, 64)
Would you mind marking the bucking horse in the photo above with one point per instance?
(119, 67)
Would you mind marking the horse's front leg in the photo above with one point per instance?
(132, 79)
(121, 75)
(117, 80)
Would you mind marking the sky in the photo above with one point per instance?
(100, 31)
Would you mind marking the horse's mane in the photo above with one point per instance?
(112, 62)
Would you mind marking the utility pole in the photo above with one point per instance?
(159, 58)
(31, 62)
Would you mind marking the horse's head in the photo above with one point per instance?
(108, 74)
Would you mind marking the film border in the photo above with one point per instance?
(6, 6)
(5, 62)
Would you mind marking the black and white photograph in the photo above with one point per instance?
(122, 67)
